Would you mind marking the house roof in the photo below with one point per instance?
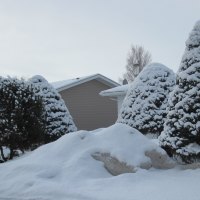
(116, 91)
(66, 84)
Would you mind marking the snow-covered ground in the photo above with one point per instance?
(65, 170)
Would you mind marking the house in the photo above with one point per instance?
(88, 109)
(117, 93)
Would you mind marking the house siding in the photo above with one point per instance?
(88, 109)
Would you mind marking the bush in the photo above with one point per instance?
(144, 106)
(21, 116)
(58, 119)
(181, 135)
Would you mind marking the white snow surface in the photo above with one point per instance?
(58, 115)
(59, 85)
(116, 91)
(144, 106)
(63, 83)
(65, 170)
(184, 106)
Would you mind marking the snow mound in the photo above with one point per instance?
(69, 160)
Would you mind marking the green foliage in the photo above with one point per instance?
(181, 135)
(58, 119)
(144, 106)
(21, 115)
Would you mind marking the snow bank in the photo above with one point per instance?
(65, 169)
(71, 157)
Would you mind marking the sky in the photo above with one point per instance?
(63, 39)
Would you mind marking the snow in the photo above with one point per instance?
(58, 119)
(181, 128)
(116, 91)
(144, 106)
(194, 38)
(63, 83)
(65, 169)
(6, 152)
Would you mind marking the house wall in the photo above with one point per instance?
(88, 109)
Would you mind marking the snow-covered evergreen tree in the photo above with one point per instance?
(58, 118)
(21, 120)
(144, 106)
(181, 135)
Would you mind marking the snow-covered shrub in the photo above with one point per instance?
(58, 118)
(181, 135)
(21, 119)
(144, 106)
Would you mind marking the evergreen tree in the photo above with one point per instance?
(144, 106)
(21, 120)
(181, 135)
(58, 118)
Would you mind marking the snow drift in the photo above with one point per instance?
(69, 159)
(66, 170)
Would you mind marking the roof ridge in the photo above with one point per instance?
(64, 84)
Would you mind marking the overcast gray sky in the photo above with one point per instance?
(63, 39)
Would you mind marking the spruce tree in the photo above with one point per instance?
(144, 106)
(181, 135)
(58, 118)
